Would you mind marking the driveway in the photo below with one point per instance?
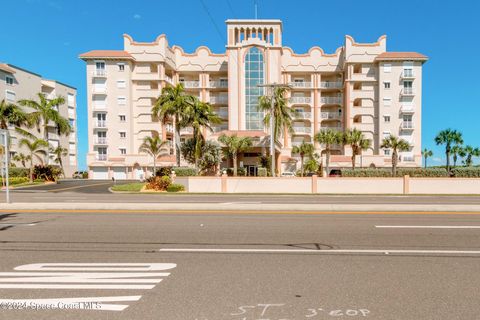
(76, 186)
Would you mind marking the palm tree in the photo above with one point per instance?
(457, 150)
(199, 115)
(328, 138)
(20, 157)
(172, 103)
(426, 154)
(471, 152)
(36, 148)
(396, 145)
(304, 149)
(59, 152)
(312, 164)
(357, 142)
(11, 114)
(153, 146)
(46, 113)
(234, 145)
(448, 137)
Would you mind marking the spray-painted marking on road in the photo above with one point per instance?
(79, 276)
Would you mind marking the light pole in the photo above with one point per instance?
(4, 134)
(272, 87)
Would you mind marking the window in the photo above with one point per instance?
(10, 96)
(387, 102)
(9, 81)
(121, 67)
(100, 65)
(254, 66)
(386, 134)
(123, 118)
(387, 68)
(121, 101)
(72, 123)
(73, 160)
(386, 119)
(71, 100)
(123, 150)
(123, 134)
(386, 85)
(121, 84)
(386, 152)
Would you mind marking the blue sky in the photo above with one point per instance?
(46, 37)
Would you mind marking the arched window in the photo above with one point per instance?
(254, 75)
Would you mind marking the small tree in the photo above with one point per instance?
(426, 154)
(36, 149)
(20, 157)
(328, 138)
(234, 145)
(449, 138)
(457, 150)
(357, 142)
(58, 153)
(313, 164)
(396, 145)
(471, 152)
(154, 146)
(210, 155)
(304, 149)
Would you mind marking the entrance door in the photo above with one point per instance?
(251, 171)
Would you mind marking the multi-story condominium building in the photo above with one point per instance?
(17, 84)
(360, 85)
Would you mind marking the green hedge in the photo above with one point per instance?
(185, 172)
(262, 172)
(466, 172)
(412, 172)
(17, 180)
(18, 172)
(175, 187)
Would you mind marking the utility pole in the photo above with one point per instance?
(4, 134)
(272, 87)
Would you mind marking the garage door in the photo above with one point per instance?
(119, 174)
(100, 173)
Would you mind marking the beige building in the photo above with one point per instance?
(17, 84)
(360, 85)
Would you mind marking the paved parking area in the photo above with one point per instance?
(76, 186)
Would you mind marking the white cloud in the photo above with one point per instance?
(137, 16)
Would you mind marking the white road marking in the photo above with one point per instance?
(18, 224)
(429, 227)
(57, 303)
(338, 251)
(243, 202)
(96, 267)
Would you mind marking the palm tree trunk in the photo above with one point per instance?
(154, 166)
(45, 137)
(31, 169)
(353, 161)
(177, 142)
(447, 153)
(327, 161)
(235, 165)
(454, 160)
(394, 163)
(425, 166)
(301, 164)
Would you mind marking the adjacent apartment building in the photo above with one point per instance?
(18, 84)
(360, 85)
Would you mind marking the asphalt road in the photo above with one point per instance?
(243, 267)
(98, 191)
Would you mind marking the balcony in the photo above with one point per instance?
(337, 127)
(302, 130)
(169, 129)
(49, 96)
(331, 100)
(334, 146)
(99, 107)
(407, 92)
(147, 93)
(168, 79)
(190, 84)
(101, 157)
(99, 90)
(52, 136)
(100, 73)
(100, 141)
(407, 125)
(219, 99)
(218, 84)
(407, 109)
(300, 84)
(303, 115)
(330, 115)
(300, 100)
(71, 113)
(407, 159)
(331, 85)
(100, 124)
(407, 74)
(409, 139)
(186, 131)
(145, 76)
(219, 128)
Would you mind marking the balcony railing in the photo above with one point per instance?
(407, 125)
(101, 157)
(408, 158)
(219, 128)
(223, 114)
(49, 96)
(169, 128)
(218, 84)
(303, 115)
(335, 146)
(408, 74)
(186, 130)
(336, 128)
(407, 92)
(331, 100)
(100, 73)
(301, 84)
(407, 109)
(300, 100)
(168, 79)
(100, 140)
(330, 115)
(191, 84)
(218, 99)
(331, 84)
(302, 129)
(99, 90)
(52, 136)
(99, 107)
(100, 124)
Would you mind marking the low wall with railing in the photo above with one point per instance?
(402, 185)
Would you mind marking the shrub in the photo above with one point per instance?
(85, 175)
(262, 172)
(385, 172)
(163, 171)
(466, 172)
(175, 187)
(48, 173)
(158, 183)
(184, 171)
(18, 172)
(16, 180)
(367, 172)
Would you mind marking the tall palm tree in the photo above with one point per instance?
(328, 138)
(199, 115)
(304, 149)
(45, 113)
(172, 103)
(11, 114)
(234, 145)
(448, 137)
(282, 113)
(471, 152)
(457, 150)
(357, 142)
(426, 154)
(153, 146)
(396, 145)
(58, 153)
(20, 157)
(36, 148)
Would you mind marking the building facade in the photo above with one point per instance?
(360, 85)
(18, 84)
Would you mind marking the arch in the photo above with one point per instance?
(372, 165)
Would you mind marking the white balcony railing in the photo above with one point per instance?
(99, 89)
(99, 107)
(218, 84)
(331, 100)
(302, 129)
(407, 158)
(186, 130)
(100, 140)
(335, 146)
(408, 74)
(100, 124)
(53, 136)
(49, 96)
(219, 128)
(336, 128)
(407, 125)
(168, 79)
(331, 84)
(303, 115)
(169, 128)
(190, 84)
(300, 100)
(330, 115)
(407, 109)
(407, 92)
(218, 99)
(300, 84)
(101, 157)
(100, 73)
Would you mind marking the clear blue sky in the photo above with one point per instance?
(46, 37)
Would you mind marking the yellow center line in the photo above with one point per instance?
(78, 187)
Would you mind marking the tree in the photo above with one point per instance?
(11, 114)
(172, 103)
(313, 163)
(210, 155)
(471, 152)
(426, 154)
(58, 153)
(20, 157)
(153, 146)
(304, 149)
(448, 137)
(328, 138)
(45, 113)
(234, 145)
(457, 150)
(396, 145)
(357, 142)
(36, 148)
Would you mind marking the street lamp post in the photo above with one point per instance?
(4, 134)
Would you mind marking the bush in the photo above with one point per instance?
(419, 172)
(184, 171)
(466, 172)
(262, 172)
(240, 171)
(387, 172)
(158, 183)
(18, 172)
(163, 171)
(48, 173)
(175, 187)
(366, 172)
(85, 175)
(16, 180)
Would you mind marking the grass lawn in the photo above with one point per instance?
(133, 187)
